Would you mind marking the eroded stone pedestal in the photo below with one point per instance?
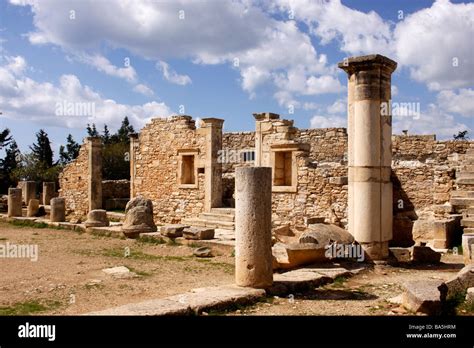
(14, 202)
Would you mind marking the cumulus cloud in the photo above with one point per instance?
(460, 103)
(24, 98)
(171, 75)
(143, 89)
(436, 44)
(104, 65)
(338, 107)
(318, 121)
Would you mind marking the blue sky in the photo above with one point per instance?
(227, 59)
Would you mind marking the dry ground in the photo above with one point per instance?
(67, 278)
(363, 294)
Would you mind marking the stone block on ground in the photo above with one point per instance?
(202, 252)
(425, 296)
(424, 254)
(291, 255)
(119, 272)
(173, 231)
(401, 255)
(198, 233)
(138, 217)
(325, 234)
(283, 231)
(468, 248)
(461, 281)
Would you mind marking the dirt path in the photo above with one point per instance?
(67, 278)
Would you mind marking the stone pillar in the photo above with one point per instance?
(30, 191)
(49, 191)
(133, 146)
(213, 168)
(14, 202)
(370, 153)
(94, 190)
(468, 248)
(97, 218)
(253, 225)
(58, 209)
(33, 208)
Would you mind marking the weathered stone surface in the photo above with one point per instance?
(138, 217)
(291, 255)
(424, 254)
(14, 202)
(58, 209)
(202, 252)
(470, 295)
(424, 296)
(198, 233)
(468, 248)
(49, 191)
(97, 218)
(29, 191)
(314, 220)
(283, 230)
(173, 231)
(119, 272)
(3, 202)
(325, 234)
(402, 255)
(33, 208)
(461, 282)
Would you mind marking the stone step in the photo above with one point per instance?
(226, 225)
(218, 217)
(228, 211)
(462, 194)
(468, 230)
(466, 202)
(469, 222)
(465, 175)
(465, 181)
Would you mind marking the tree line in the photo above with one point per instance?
(38, 164)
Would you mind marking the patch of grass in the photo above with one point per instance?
(226, 267)
(150, 240)
(94, 286)
(339, 282)
(465, 308)
(139, 255)
(33, 224)
(194, 245)
(172, 242)
(232, 254)
(29, 307)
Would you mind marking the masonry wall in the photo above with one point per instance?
(115, 189)
(156, 168)
(73, 184)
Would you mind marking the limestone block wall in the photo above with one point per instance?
(157, 161)
(73, 183)
(115, 189)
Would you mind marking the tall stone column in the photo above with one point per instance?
(14, 202)
(133, 146)
(370, 152)
(49, 189)
(30, 191)
(94, 190)
(213, 168)
(253, 224)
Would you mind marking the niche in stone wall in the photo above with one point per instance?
(187, 168)
(284, 169)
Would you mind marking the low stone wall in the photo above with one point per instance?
(115, 189)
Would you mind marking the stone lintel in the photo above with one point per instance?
(262, 116)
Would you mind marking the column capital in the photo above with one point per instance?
(370, 62)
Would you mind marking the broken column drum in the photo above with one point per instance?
(253, 219)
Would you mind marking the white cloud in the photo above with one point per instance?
(431, 121)
(394, 90)
(104, 65)
(143, 89)
(338, 107)
(328, 121)
(311, 106)
(171, 75)
(434, 40)
(461, 103)
(23, 98)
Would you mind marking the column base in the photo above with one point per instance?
(375, 251)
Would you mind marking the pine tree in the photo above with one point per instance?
(71, 151)
(92, 131)
(41, 151)
(7, 165)
(105, 135)
(123, 132)
(5, 138)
